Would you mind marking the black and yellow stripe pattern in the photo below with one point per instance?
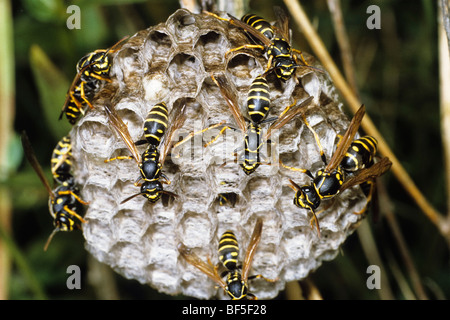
(150, 167)
(259, 24)
(281, 53)
(251, 160)
(328, 184)
(98, 63)
(61, 160)
(156, 123)
(258, 99)
(228, 250)
(360, 154)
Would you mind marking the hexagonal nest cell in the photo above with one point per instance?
(173, 62)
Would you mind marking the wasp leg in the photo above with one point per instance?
(218, 135)
(216, 16)
(299, 52)
(246, 46)
(306, 171)
(315, 221)
(83, 96)
(166, 180)
(119, 158)
(69, 192)
(316, 136)
(192, 134)
(74, 214)
(368, 199)
(100, 77)
(260, 276)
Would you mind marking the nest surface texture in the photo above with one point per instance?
(172, 63)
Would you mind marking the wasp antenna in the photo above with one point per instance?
(131, 197)
(50, 237)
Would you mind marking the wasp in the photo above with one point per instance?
(92, 69)
(236, 283)
(150, 163)
(331, 180)
(61, 160)
(65, 205)
(258, 105)
(273, 39)
(360, 155)
(227, 198)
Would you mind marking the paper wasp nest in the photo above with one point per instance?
(171, 62)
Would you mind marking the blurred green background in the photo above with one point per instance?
(397, 73)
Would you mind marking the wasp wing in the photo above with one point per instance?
(252, 31)
(288, 114)
(282, 22)
(204, 267)
(31, 156)
(346, 140)
(176, 120)
(367, 174)
(122, 129)
(230, 98)
(251, 249)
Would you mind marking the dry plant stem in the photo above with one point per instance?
(191, 5)
(364, 232)
(444, 77)
(370, 249)
(294, 291)
(344, 44)
(444, 14)
(400, 241)
(402, 176)
(6, 121)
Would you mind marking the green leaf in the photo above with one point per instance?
(52, 85)
(45, 10)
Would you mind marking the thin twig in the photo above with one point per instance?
(364, 231)
(370, 249)
(401, 243)
(400, 173)
(343, 42)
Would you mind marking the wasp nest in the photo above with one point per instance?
(172, 63)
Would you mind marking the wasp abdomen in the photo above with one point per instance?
(156, 124)
(360, 154)
(229, 250)
(258, 100)
(259, 24)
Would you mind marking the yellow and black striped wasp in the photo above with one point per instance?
(150, 163)
(361, 155)
(61, 160)
(236, 283)
(65, 205)
(258, 105)
(92, 69)
(274, 41)
(331, 180)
